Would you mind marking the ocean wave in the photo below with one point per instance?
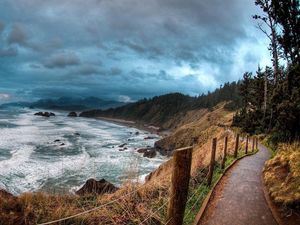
(62, 152)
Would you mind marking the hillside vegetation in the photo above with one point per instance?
(282, 175)
(271, 97)
(197, 126)
(165, 111)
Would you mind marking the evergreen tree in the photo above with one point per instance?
(271, 103)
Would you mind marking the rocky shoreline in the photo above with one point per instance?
(148, 151)
(95, 187)
(149, 128)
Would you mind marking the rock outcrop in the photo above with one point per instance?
(44, 114)
(72, 114)
(142, 150)
(150, 153)
(149, 138)
(94, 187)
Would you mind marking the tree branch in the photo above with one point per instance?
(259, 26)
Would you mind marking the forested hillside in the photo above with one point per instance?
(161, 109)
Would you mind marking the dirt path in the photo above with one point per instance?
(239, 197)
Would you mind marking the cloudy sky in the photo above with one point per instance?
(125, 49)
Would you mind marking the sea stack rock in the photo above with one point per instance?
(150, 153)
(142, 150)
(72, 114)
(44, 114)
(95, 187)
(122, 145)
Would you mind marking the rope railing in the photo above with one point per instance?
(195, 192)
(192, 208)
(169, 220)
(180, 178)
(176, 212)
(99, 207)
(85, 212)
(153, 213)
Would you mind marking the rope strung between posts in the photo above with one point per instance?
(168, 221)
(193, 205)
(86, 212)
(197, 190)
(152, 214)
(98, 207)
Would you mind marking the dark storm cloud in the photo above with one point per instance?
(62, 60)
(17, 35)
(129, 48)
(87, 70)
(2, 26)
(8, 52)
(46, 46)
(114, 71)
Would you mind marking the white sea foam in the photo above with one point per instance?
(38, 159)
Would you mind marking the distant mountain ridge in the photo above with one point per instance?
(68, 103)
(165, 110)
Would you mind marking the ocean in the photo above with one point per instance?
(58, 154)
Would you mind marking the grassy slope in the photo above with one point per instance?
(282, 175)
(199, 125)
(211, 124)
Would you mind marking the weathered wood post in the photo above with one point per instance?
(253, 144)
(182, 160)
(212, 161)
(236, 145)
(247, 141)
(225, 152)
(256, 143)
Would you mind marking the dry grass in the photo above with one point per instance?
(282, 175)
(202, 127)
(133, 205)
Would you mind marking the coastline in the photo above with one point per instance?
(129, 123)
(58, 138)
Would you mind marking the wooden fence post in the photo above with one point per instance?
(256, 143)
(212, 161)
(253, 144)
(182, 160)
(247, 141)
(224, 153)
(236, 145)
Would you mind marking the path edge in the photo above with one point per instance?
(270, 203)
(208, 197)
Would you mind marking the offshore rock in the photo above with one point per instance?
(150, 153)
(72, 114)
(44, 114)
(95, 187)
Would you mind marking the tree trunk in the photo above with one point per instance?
(265, 94)
(274, 49)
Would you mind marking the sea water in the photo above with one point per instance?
(60, 153)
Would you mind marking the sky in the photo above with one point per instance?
(125, 49)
